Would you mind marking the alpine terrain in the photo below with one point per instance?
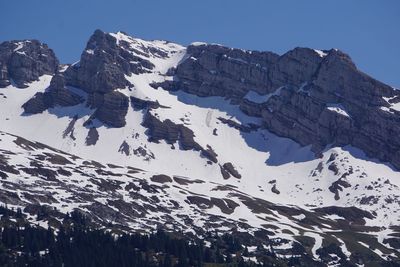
(295, 156)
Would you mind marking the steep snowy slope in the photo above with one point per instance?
(50, 182)
(223, 168)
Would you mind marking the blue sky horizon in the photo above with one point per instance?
(369, 31)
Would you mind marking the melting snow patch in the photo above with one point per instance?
(344, 249)
(317, 244)
(320, 53)
(334, 217)
(198, 43)
(19, 46)
(386, 109)
(338, 108)
(395, 106)
(299, 217)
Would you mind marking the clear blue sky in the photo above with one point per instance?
(367, 30)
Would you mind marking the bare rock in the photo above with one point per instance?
(124, 148)
(25, 61)
(210, 154)
(161, 178)
(231, 169)
(56, 95)
(170, 132)
(113, 109)
(140, 104)
(104, 64)
(275, 190)
(92, 137)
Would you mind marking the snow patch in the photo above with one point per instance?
(338, 108)
(198, 44)
(321, 53)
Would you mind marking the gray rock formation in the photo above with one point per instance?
(112, 108)
(56, 94)
(314, 98)
(214, 70)
(140, 104)
(314, 114)
(22, 62)
(102, 69)
(104, 64)
(170, 132)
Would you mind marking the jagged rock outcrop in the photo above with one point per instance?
(313, 97)
(112, 109)
(104, 64)
(39, 103)
(214, 70)
(341, 106)
(170, 132)
(22, 62)
(102, 69)
(140, 104)
(56, 94)
(179, 134)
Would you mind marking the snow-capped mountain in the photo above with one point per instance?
(301, 148)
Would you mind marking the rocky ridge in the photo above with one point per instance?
(316, 98)
(200, 132)
(22, 62)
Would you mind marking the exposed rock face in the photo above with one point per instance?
(92, 137)
(102, 69)
(25, 61)
(174, 133)
(170, 132)
(140, 104)
(356, 117)
(214, 70)
(39, 103)
(56, 94)
(313, 97)
(104, 64)
(95, 72)
(113, 109)
(231, 170)
(60, 94)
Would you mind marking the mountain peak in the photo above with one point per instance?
(22, 62)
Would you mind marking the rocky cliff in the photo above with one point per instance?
(22, 62)
(316, 98)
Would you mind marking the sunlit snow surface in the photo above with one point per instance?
(338, 108)
(263, 159)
